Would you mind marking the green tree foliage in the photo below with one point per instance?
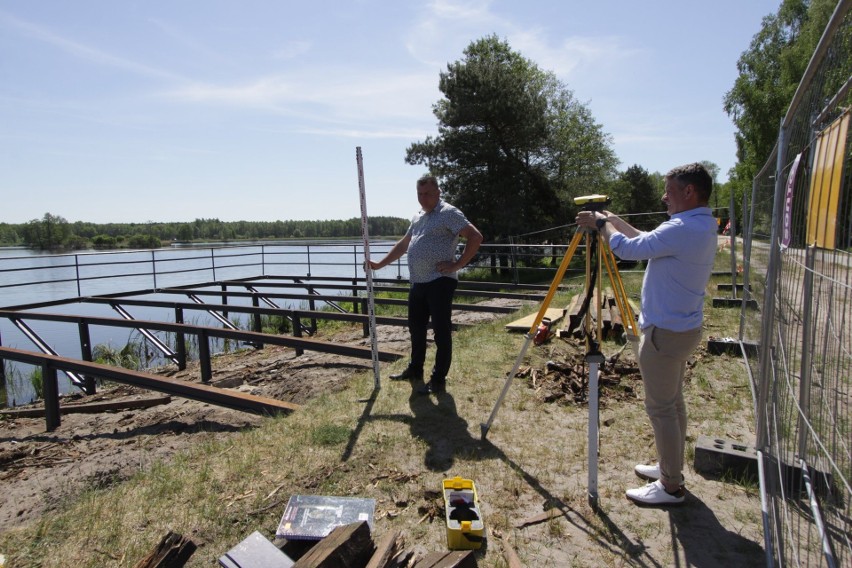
(513, 145)
(144, 242)
(55, 232)
(9, 235)
(637, 192)
(51, 231)
(103, 241)
(769, 73)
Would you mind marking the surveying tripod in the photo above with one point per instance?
(597, 249)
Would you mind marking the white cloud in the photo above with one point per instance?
(349, 95)
(186, 40)
(85, 52)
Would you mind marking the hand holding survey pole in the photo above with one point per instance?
(371, 303)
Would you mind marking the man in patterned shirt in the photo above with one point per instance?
(431, 242)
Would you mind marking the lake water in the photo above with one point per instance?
(29, 277)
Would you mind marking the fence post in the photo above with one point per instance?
(180, 340)
(732, 217)
(225, 300)
(514, 261)
(154, 269)
(86, 353)
(2, 369)
(51, 396)
(768, 320)
(77, 272)
(747, 242)
(257, 324)
(366, 324)
(807, 345)
(297, 329)
(204, 356)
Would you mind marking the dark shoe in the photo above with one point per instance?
(407, 375)
(433, 387)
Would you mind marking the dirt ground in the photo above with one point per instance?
(39, 469)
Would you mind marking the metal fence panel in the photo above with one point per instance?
(798, 267)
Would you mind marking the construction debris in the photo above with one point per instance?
(567, 382)
(612, 326)
(173, 551)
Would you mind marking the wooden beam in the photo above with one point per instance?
(510, 555)
(173, 551)
(456, 559)
(205, 393)
(89, 407)
(387, 549)
(347, 546)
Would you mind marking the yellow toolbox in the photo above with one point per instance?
(465, 527)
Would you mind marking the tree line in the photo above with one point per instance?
(54, 232)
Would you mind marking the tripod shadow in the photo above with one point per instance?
(700, 540)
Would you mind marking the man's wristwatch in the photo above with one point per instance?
(600, 222)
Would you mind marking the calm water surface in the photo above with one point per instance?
(30, 277)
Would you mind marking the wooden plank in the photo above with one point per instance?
(455, 559)
(89, 407)
(546, 516)
(173, 551)
(510, 555)
(386, 550)
(573, 312)
(205, 393)
(347, 546)
(525, 323)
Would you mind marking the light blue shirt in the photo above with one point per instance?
(434, 237)
(680, 254)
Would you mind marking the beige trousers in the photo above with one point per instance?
(662, 361)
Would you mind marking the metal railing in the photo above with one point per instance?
(28, 279)
(798, 267)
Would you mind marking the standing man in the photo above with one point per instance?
(431, 242)
(680, 254)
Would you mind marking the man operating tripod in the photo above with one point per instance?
(680, 254)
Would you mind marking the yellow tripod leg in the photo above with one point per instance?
(627, 315)
(554, 286)
(557, 280)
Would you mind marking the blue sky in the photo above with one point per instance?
(172, 110)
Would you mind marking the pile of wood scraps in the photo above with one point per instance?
(612, 325)
(568, 321)
(567, 382)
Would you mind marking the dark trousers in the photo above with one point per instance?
(432, 300)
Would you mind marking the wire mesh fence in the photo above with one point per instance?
(798, 267)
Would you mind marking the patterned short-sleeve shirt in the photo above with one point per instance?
(434, 237)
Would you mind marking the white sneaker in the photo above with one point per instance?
(655, 494)
(649, 472)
